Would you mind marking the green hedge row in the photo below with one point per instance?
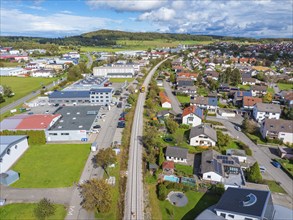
(34, 137)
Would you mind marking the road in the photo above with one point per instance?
(104, 140)
(276, 88)
(174, 101)
(134, 189)
(262, 158)
(90, 62)
(26, 98)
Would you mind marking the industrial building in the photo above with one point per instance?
(115, 71)
(89, 82)
(74, 125)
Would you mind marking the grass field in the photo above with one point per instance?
(26, 211)
(22, 86)
(197, 202)
(184, 169)
(183, 99)
(51, 165)
(283, 86)
(244, 87)
(120, 80)
(10, 64)
(274, 187)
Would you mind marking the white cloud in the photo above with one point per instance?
(129, 5)
(162, 14)
(15, 21)
(34, 7)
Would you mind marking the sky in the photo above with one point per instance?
(60, 18)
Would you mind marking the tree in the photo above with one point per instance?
(7, 91)
(235, 77)
(44, 209)
(254, 174)
(223, 139)
(162, 192)
(171, 125)
(74, 73)
(96, 195)
(248, 126)
(267, 97)
(288, 113)
(199, 80)
(105, 157)
(161, 157)
(1, 98)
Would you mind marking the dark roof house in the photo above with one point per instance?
(176, 152)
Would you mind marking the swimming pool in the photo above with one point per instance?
(171, 178)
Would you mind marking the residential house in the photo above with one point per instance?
(163, 114)
(205, 103)
(159, 82)
(212, 75)
(264, 110)
(182, 81)
(249, 81)
(278, 129)
(165, 101)
(245, 204)
(249, 102)
(168, 167)
(240, 154)
(202, 135)
(192, 76)
(257, 90)
(219, 168)
(192, 116)
(285, 152)
(238, 97)
(176, 154)
(11, 149)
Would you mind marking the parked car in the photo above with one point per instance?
(276, 164)
(97, 126)
(122, 119)
(237, 128)
(121, 124)
(119, 105)
(262, 169)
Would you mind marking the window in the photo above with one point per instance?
(1, 160)
(15, 147)
(8, 151)
(231, 216)
(223, 215)
(53, 134)
(64, 133)
(248, 218)
(209, 176)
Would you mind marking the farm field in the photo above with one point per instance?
(22, 86)
(26, 211)
(51, 165)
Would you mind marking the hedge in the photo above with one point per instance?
(34, 137)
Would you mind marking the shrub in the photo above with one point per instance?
(35, 137)
(184, 126)
(162, 192)
(254, 174)
(218, 189)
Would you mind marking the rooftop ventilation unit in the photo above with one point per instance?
(59, 127)
(80, 126)
(68, 113)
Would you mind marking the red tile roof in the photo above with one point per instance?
(168, 165)
(37, 122)
(189, 75)
(164, 98)
(188, 110)
(250, 101)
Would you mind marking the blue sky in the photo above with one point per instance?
(59, 18)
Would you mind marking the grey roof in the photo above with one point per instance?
(203, 129)
(236, 152)
(102, 89)
(278, 125)
(264, 107)
(69, 94)
(163, 113)
(248, 202)
(118, 74)
(75, 117)
(177, 152)
(7, 141)
(259, 88)
(185, 82)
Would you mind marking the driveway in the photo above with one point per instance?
(260, 156)
(174, 101)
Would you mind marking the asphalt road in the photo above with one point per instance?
(26, 98)
(174, 101)
(134, 207)
(262, 158)
(90, 62)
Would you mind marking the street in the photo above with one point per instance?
(174, 101)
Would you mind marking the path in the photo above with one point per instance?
(174, 101)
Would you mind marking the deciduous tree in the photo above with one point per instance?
(105, 157)
(254, 174)
(171, 125)
(96, 195)
(44, 209)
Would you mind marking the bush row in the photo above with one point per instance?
(34, 137)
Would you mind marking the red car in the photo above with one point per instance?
(122, 119)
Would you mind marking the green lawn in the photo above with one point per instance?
(256, 137)
(183, 99)
(202, 91)
(26, 211)
(287, 165)
(51, 165)
(197, 202)
(121, 80)
(22, 86)
(271, 90)
(11, 64)
(274, 186)
(184, 169)
(243, 87)
(284, 86)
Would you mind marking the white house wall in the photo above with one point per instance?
(194, 122)
(212, 176)
(195, 141)
(15, 153)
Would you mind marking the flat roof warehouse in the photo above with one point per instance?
(75, 117)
